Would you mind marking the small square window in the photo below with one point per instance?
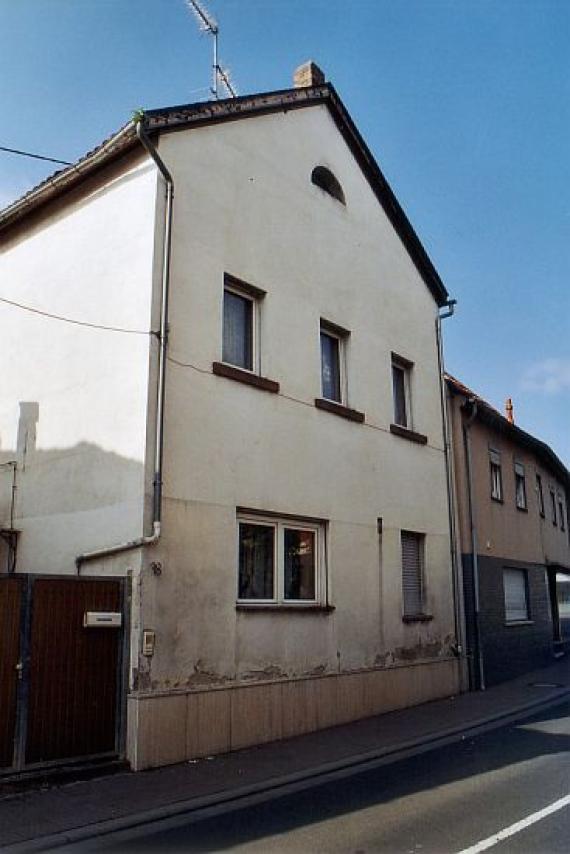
(413, 551)
(516, 595)
(520, 487)
(496, 475)
(540, 495)
(280, 561)
(333, 346)
(401, 391)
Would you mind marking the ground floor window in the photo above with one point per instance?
(413, 551)
(280, 561)
(515, 586)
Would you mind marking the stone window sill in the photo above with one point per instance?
(398, 430)
(241, 376)
(278, 606)
(514, 623)
(417, 618)
(339, 409)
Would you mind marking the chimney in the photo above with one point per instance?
(308, 74)
(509, 410)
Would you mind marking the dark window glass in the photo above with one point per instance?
(553, 506)
(256, 561)
(540, 495)
(561, 516)
(238, 331)
(399, 389)
(299, 564)
(330, 367)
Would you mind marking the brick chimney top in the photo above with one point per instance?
(509, 411)
(308, 74)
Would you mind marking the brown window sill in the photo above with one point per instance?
(241, 376)
(417, 618)
(285, 606)
(522, 509)
(398, 430)
(339, 409)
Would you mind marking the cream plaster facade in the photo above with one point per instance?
(222, 677)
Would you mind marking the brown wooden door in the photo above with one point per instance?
(73, 677)
(10, 611)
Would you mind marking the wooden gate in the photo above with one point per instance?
(10, 620)
(68, 703)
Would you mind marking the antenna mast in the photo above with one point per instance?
(208, 24)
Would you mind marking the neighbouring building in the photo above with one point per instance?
(512, 508)
(224, 502)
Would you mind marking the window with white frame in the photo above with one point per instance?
(413, 556)
(333, 345)
(516, 595)
(280, 561)
(520, 487)
(496, 475)
(240, 335)
(401, 391)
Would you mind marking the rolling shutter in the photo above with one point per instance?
(412, 573)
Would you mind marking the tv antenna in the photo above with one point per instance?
(208, 24)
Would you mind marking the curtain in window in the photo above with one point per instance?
(299, 564)
(330, 367)
(399, 388)
(238, 331)
(256, 556)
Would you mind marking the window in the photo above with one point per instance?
(516, 595)
(540, 495)
(324, 178)
(240, 324)
(412, 573)
(280, 561)
(561, 514)
(401, 382)
(553, 507)
(496, 475)
(332, 362)
(520, 487)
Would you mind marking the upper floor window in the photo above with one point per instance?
(333, 343)
(520, 487)
(540, 495)
(401, 390)
(240, 324)
(553, 507)
(496, 475)
(324, 178)
(561, 513)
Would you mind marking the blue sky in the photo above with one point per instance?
(466, 106)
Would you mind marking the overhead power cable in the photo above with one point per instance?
(34, 156)
(72, 320)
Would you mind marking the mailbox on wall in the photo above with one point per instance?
(102, 619)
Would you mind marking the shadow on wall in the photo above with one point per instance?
(62, 480)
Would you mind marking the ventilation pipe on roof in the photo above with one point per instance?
(456, 586)
(162, 336)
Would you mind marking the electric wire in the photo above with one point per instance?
(73, 320)
(34, 156)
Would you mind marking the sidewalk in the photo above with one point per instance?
(36, 820)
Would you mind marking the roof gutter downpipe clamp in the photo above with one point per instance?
(153, 538)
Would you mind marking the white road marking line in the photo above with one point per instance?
(517, 827)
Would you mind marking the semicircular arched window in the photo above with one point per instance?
(324, 178)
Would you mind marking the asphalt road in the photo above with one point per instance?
(447, 800)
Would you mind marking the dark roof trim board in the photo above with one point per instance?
(199, 114)
(491, 417)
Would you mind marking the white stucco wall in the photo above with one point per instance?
(245, 205)
(80, 436)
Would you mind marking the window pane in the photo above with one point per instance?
(330, 367)
(256, 557)
(520, 491)
(238, 331)
(412, 545)
(399, 387)
(516, 606)
(496, 482)
(299, 564)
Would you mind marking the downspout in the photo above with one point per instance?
(153, 538)
(474, 544)
(457, 619)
